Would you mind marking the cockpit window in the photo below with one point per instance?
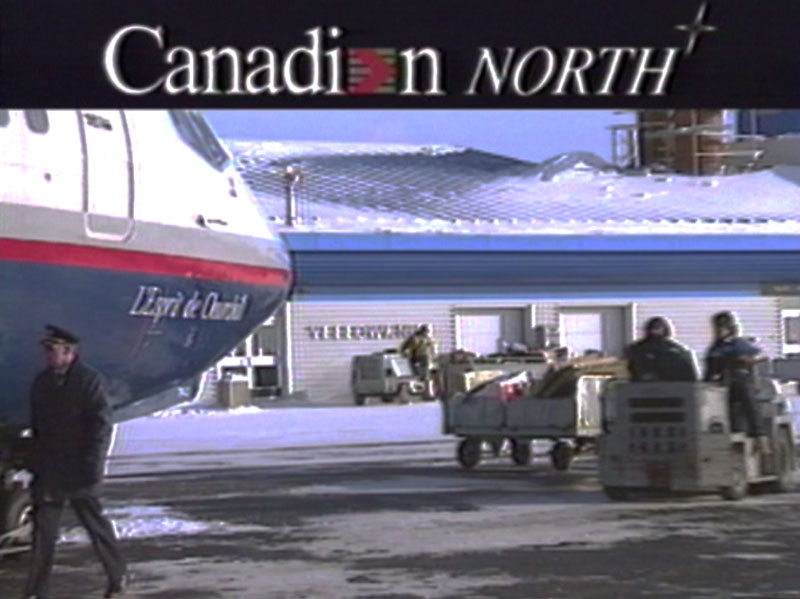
(37, 121)
(193, 129)
(5, 119)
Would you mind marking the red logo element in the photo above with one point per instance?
(372, 71)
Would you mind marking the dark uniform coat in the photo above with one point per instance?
(723, 364)
(71, 422)
(660, 359)
(722, 359)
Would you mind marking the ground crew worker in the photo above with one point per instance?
(71, 425)
(420, 350)
(658, 357)
(730, 360)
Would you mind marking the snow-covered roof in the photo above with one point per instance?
(362, 187)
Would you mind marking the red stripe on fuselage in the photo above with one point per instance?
(66, 254)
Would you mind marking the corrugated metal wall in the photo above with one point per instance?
(321, 367)
(759, 317)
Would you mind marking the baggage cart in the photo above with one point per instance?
(562, 406)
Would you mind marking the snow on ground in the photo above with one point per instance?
(255, 429)
(143, 521)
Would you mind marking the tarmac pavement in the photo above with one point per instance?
(399, 519)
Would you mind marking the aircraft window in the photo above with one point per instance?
(5, 119)
(193, 129)
(37, 121)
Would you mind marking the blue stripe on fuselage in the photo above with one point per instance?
(140, 354)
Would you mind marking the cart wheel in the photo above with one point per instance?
(469, 452)
(359, 399)
(520, 452)
(582, 445)
(432, 391)
(415, 387)
(738, 487)
(495, 446)
(561, 456)
(783, 465)
(16, 512)
(616, 493)
(389, 397)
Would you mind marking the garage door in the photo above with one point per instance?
(488, 331)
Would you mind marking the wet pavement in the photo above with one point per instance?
(401, 520)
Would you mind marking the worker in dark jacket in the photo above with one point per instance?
(658, 357)
(730, 360)
(71, 425)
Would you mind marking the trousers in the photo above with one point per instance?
(744, 411)
(421, 367)
(47, 510)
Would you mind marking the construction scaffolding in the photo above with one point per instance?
(695, 142)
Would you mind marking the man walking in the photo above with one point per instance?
(71, 424)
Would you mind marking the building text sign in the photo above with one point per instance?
(342, 332)
(780, 289)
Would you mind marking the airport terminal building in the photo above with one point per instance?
(491, 251)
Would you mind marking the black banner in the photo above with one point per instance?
(409, 54)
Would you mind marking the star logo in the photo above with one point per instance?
(696, 28)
